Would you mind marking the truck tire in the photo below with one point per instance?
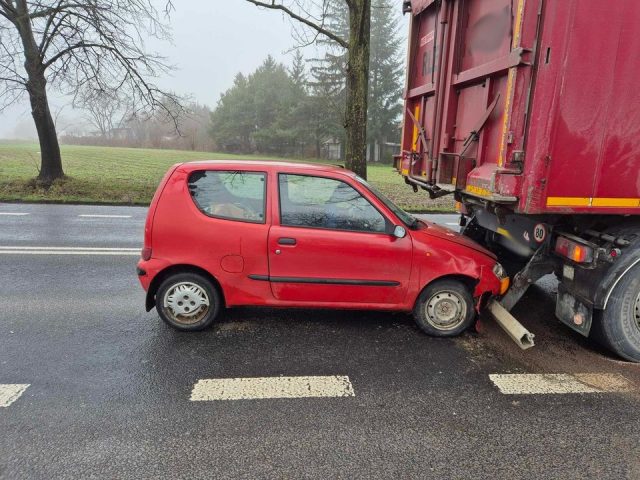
(187, 302)
(444, 309)
(617, 327)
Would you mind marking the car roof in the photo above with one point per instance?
(266, 165)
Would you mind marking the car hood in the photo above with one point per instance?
(427, 228)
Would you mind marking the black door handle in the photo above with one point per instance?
(286, 241)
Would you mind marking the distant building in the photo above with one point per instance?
(124, 133)
(332, 149)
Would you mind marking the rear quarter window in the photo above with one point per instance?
(233, 195)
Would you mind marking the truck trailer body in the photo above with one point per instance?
(528, 112)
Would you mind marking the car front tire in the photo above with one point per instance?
(444, 309)
(188, 302)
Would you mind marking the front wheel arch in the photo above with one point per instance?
(150, 301)
(470, 282)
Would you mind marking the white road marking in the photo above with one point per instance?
(64, 252)
(10, 392)
(11, 250)
(453, 223)
(271, 387)
(97, 249)
(104, 216)
(13, 214)
(58, 252)
(560, 383)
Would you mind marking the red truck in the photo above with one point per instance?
(528, 113)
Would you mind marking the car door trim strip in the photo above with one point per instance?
(326, 281)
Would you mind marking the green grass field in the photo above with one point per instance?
(129, 176)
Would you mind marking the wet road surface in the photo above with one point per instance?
(106, 387)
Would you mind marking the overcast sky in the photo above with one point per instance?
(212, 41)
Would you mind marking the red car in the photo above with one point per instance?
(222, 234)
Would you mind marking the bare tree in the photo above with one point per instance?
(311, 14)
(104, 110)
(72, 45)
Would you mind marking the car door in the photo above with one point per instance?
(332, 246)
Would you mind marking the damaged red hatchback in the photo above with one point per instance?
(222, 234)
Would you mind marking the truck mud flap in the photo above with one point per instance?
(573, 312)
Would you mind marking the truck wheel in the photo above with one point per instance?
(187, 301)
(444, 309)
(618, 326)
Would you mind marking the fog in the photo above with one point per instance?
(212, 41)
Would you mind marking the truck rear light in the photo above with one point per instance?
(573, 250)
(146, 253)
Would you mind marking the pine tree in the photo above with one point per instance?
(274, 94)
(357, 73)
(257, 113)
(328, 81)
(231, 121)
(297, 71)
(385, 75)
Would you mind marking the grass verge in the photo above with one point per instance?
(129, 176)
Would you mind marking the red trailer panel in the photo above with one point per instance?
(532, 104)
(528, 112)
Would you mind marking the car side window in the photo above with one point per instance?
(307, 201)
(233, 195)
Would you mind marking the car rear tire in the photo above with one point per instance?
(444, 309)
(188, 301)
(617, 327)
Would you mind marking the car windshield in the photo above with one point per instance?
(409, 220)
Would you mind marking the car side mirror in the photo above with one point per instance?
(399, 232)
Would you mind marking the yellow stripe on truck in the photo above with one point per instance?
(416, 113)
(511, 81)
(481, 192)
(615, 202)
(593, 202)
(568, 201)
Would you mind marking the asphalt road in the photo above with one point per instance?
(109, 384)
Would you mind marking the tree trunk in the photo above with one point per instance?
(357, 86)
(50, 159)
